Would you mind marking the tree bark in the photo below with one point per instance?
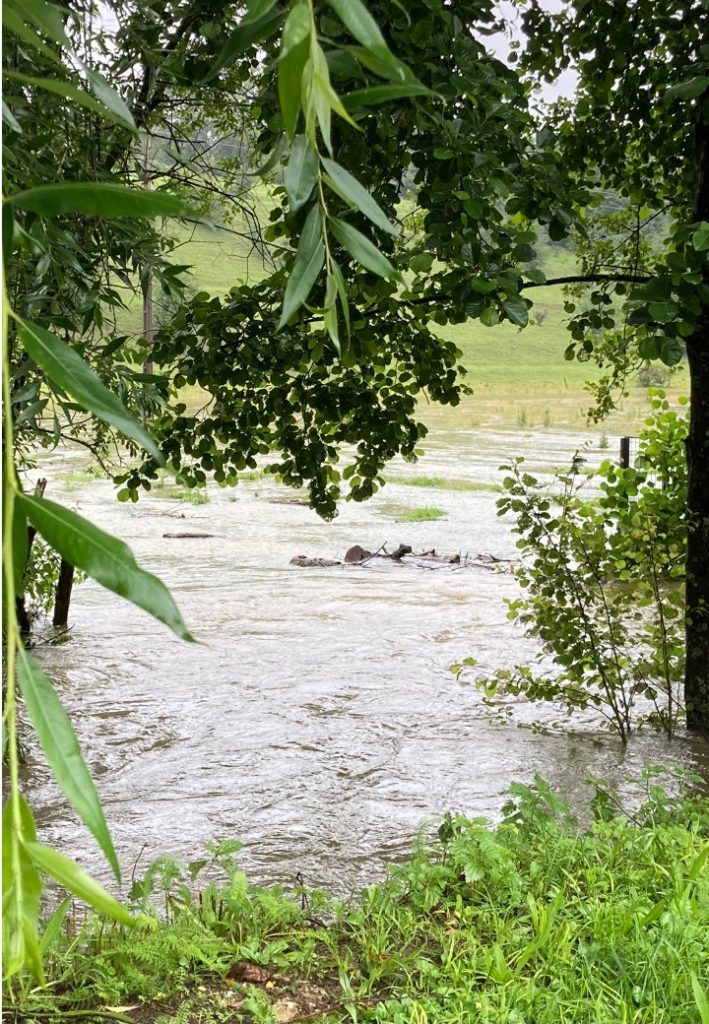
(63, 595)
(696, 684)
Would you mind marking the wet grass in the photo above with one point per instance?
(254, 474)
(534, 921)
(442, 483)
(404, 514)
(219, 260)
(74, 479)
(176, 492)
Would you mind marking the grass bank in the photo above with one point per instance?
(537, 920)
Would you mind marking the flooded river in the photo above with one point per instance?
(316, 721)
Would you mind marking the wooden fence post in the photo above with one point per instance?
(625, 453)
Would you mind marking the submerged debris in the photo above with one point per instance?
(305, 562)
(187, 536)
(357, 554)
(404, 553)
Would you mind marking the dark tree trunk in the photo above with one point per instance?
(63, 595)
(23, 619)
(696, 689)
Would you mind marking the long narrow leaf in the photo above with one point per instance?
(9, 119)
(341, 291)
(66, 369)
(15, 23)
(301, 173)
(351, 190)
(392, 69)
(19, 547)
(110, 99)
(363, 27)
(308, 263)
(105, 558)
(61, 747)
(376, 94)
(54, 926)
(48, 17)
(76, 95)
(700, 998)
(290, 75)
(297, 29)
(21, 892)
(99, 199)
(73, 878)
(359, 246)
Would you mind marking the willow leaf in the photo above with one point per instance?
(308, 263)
(61, 747)
(65, 368)
(105, 558)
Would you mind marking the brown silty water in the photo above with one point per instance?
(317, 720)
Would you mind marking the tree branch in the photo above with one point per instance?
(588, 279)
(619, 278)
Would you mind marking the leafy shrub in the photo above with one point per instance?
(601, 580)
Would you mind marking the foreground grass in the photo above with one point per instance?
(535, 921)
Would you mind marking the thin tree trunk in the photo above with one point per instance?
(696, 687)
(63, 595)
(23, 618)
(148, 328)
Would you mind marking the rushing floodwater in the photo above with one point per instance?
(317, 720)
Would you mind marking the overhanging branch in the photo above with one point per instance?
(588, 279)
(619, 278)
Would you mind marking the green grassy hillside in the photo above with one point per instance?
(520, 377)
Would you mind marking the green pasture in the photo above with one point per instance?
(519, 377)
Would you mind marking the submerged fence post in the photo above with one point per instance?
(625, 453)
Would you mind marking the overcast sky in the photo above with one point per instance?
(499, 43)
(500, 46)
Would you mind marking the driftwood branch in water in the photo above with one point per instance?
(357, 555)
(375, 554)
(188, 536)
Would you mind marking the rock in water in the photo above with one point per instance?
(357, 554)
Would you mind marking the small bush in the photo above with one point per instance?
(601, 581)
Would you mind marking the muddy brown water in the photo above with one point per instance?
(317, 720)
